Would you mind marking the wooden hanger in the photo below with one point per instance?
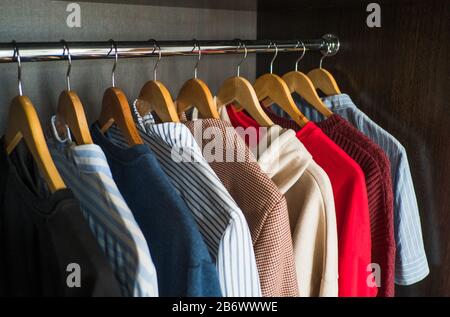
(196, 93)
(23, 123)
(322, 79)
(154, 96)
(273, 87)
(115, 109)
(238, 89)
(70, 110)
(157, 98)
(300, 83)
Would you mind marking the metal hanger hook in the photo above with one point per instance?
(68, 135)
(326, 54)
(69, 59)
(197, 45)
(116, 56)
(16, 55)
(274, 56)
(241, 44)
(303, 54)
(156, 47)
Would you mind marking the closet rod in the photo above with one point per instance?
(52, 51)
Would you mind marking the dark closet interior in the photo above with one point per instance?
(398, 74)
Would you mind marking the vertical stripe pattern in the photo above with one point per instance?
(86, 172)
(220, 221)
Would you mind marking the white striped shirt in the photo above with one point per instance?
(86, 172)
(411, 262)
(221, 222)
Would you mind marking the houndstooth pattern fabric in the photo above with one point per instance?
(258, 197)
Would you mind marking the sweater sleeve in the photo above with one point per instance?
(314, 234)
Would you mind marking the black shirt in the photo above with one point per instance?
(45, 242)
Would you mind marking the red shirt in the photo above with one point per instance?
(350, 195)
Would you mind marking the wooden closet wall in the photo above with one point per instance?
(399, 74)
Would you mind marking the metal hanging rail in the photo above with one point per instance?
(53, 51)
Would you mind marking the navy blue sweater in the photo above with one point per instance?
(183, 264)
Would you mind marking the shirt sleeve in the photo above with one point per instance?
(411, 261)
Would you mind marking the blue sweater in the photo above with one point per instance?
(182, 261)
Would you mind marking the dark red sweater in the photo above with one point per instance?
(376, 168)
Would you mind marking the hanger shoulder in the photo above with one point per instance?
(23, 122)
(70, 111)
(273, 87)
(241, 91)
(301, 84)
(196, 93)
(323, 80)
(115, 109)
(156, 97)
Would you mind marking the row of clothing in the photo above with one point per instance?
(377, 216)
(206, 208)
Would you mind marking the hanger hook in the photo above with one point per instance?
(16, 55)
(241, 44)
(303, 54)
(69, 59)
(197, 45)
(68, 135)
(274, 56)
(116, 58)
(156, 46)
(326, 54)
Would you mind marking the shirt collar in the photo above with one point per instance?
(174, 134)
(141, 121)
(87, 157)
(340, 101)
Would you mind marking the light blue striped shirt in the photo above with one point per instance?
(411, 262)
(86, 172)
(221, 222)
